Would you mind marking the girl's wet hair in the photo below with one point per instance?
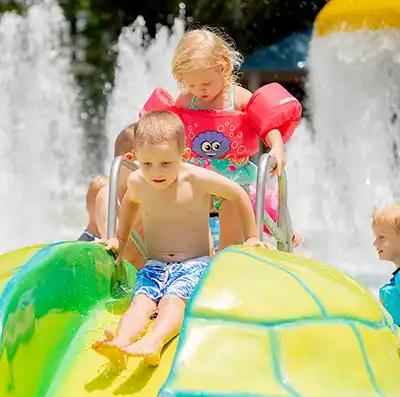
(205, 48)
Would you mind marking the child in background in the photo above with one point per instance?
(97, 200)
(386, 228)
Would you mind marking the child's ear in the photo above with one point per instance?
(129, 155)
(186, 154)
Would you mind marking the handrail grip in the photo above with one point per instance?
(282, 231)
(116, 165)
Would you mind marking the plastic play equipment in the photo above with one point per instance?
(261, 323)
(351, 15)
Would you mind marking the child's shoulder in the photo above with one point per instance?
(242, 97)
(135, 183)
(196, 174)
(95, 185)
(135, 177)
(193, 173)
(183, 100)
(96, 192)
(98, 182)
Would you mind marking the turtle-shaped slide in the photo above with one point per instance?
(274, 325)
(260, 324)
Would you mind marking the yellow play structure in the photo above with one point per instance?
(260, 324)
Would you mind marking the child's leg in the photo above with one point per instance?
(171, 310)
(132, 324)
(211, 243)
(179, 287)
(230, 225)
(149, 281)
(210, 236)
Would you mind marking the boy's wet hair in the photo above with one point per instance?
(159, 127)
(387, 216)
(125, 139)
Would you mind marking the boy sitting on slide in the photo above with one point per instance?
(174, 200)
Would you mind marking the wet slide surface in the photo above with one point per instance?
(322, 335)
(55, 302)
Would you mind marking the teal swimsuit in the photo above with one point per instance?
(389, 296)
(243, 173)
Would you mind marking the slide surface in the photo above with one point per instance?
(55, 301)
(260, 324)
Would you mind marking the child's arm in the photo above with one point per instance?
(213, 183)
(183, 101)
(275, 142)
(273, 138)
(129, 210)
(101, 211)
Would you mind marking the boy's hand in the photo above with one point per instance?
(112, 244)
(255, 242)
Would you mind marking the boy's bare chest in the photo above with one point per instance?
(173, 202)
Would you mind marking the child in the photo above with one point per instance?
(97, 200)
(173, 198)
(386, 228)
(222, 119)
(96, 185)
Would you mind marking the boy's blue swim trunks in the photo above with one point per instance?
(157, 278)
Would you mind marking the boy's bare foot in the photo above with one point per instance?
(110, 347)
(147, 348)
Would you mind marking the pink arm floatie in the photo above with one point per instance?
(272, 107)
(159, 100)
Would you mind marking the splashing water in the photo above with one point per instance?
(142, 66)
(339, 167)
(42, 194)
(350, 164)
(40, 197)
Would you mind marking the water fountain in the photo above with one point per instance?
(42, 181)
(142, 66)
(339, 168)
(350, 165)
(41, 199)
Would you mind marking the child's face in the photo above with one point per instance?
(205, 84)
(387, 243)
(159, 164)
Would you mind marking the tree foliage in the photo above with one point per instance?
(97, 24)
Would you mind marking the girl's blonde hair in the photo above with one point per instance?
(387, 216)
(204, 48)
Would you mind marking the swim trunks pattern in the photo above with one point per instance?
(157, 278)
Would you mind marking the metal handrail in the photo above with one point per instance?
(282, 231)
(116, 165)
